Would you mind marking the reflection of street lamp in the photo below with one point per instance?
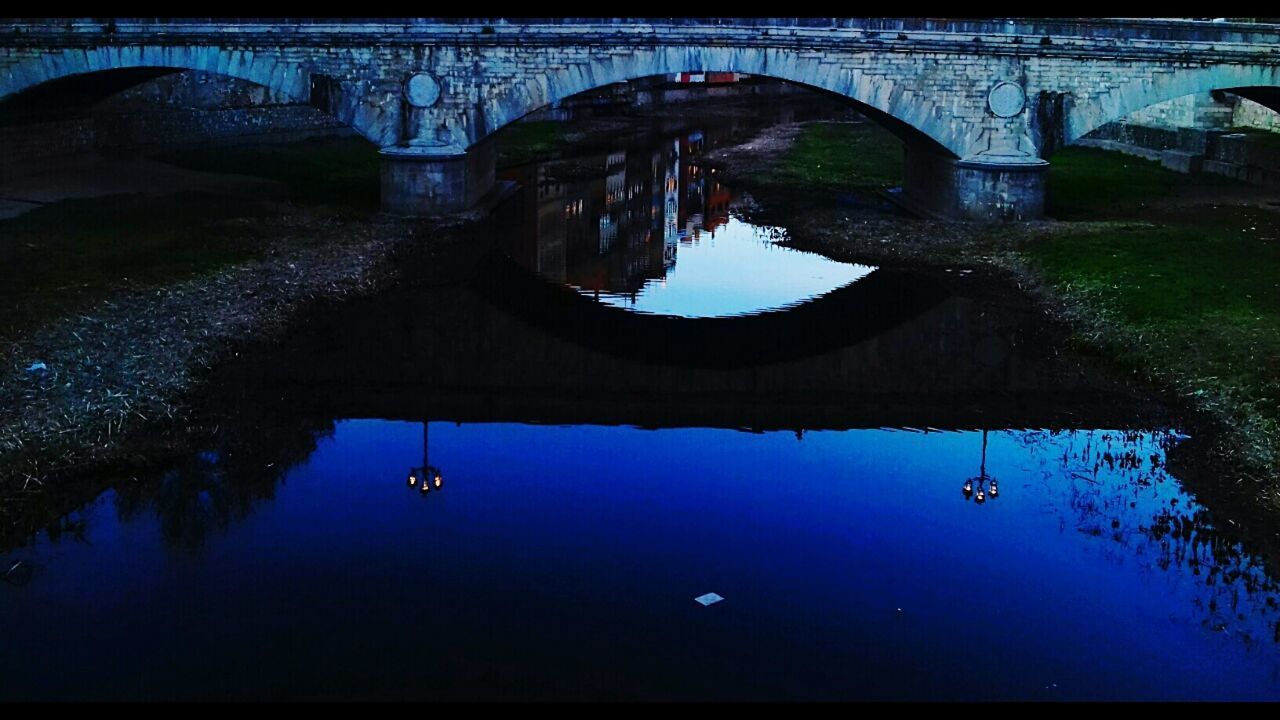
(982, 486)
(429, 475)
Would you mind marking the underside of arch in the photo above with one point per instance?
(1268, 97)
(73, 95)
(900, 109)
(1254, 82)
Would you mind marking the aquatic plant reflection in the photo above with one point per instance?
(1114, 486)
(207, 492)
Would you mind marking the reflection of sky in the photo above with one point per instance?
(738, 272)
(559, 560)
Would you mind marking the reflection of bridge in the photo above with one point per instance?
(952, 360)
(981, 104)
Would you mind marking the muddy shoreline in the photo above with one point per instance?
(119, 386)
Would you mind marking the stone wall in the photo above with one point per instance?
(1192, 134)
(700, 92)
(1151, 137)
(283, 123)
(1252, 115)
(1205, 112)
(1240, 149)
(192, 90)
(22, 143)
(1237, 155)
(1201, 110)
(654, 92)
(144, 132)
(182, 108)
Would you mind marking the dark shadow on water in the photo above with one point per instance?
(839, 318)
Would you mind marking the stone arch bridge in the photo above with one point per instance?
(980, 104)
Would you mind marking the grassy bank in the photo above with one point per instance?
(68, 255)
(1184, 293)
(1089, 184)
(113, 309)
(530, 140)
(1172, 278)
(838, 157)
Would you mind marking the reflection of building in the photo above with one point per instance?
(716, 204)
(614, 229)
(711, 78)
(615, 196)
(671, 206)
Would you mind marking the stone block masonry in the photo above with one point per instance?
(961, 89)
(1182, 137)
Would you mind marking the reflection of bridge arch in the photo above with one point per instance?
(845, 316)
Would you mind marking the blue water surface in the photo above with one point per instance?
(563, 562)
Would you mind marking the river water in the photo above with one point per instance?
(511, 475)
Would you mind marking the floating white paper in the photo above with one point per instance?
(708, 599)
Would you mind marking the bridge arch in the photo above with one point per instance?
(936, 77)
(1250, 81)
(291, 79)
(907, 112)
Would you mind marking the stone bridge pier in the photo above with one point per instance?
(424, 181)
(980, 105)
(983, 189)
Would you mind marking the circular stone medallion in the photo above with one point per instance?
(1006, 99)
(422, 90)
